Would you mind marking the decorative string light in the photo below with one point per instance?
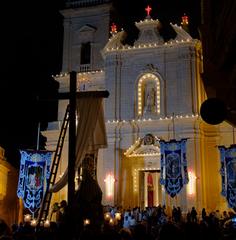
(144, 154)
(142, 81)
(66, 74)
(135, 181)
(151, 45)
(154, 119)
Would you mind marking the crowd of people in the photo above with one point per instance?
(157, 224)
(151, 223)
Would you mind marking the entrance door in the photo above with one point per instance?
(149, 188)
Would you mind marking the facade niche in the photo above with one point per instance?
(149, 96)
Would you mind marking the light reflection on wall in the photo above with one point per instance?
(3, 181)
(191, 187)
(109, 183)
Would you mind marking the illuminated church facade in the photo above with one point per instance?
(155, 94)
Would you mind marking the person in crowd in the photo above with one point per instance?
(188, 217)
(139, 216)
(126, 222)
(179, 214)
(63, 207)
(225, 215)
(193, 215)
(217, 214)
(170, 231)
(162, 216)
(174, 214)
(5, 232)
(204, 214)
(14, 229)
(125, 234)
(140, 232)
(132, 222)
(56, 213)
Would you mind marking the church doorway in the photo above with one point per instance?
(150, 190)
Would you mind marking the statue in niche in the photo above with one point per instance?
(150, 99)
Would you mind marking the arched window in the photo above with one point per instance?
(85, 54)
(149, 95)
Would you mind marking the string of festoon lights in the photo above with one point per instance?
(66, 74)
(141, 120)
(149, 45)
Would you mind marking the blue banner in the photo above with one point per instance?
(228, 173)
(174, 172)
(33, 177)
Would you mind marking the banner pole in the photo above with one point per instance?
(38, 135)
(173, 122)
(233, 136)
(37, 148)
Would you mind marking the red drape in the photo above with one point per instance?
(150, 189)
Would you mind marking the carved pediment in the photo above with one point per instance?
(87, 28)
(146, 146)
(84, 34)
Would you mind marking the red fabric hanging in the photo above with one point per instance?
(150, 190)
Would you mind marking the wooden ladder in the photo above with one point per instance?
(44, 209)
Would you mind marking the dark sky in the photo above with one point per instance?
(31, 37)
(31, 48)
(127, 12)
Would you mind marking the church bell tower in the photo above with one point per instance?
(86, 31)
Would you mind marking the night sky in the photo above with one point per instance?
(31, 51)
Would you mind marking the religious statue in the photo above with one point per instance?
(150, 100)
(32, 181)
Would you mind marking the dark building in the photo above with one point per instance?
(218, 36)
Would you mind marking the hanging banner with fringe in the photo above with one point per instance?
(33, 177)
(228, 173)
(174, 172)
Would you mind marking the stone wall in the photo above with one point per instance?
(9, 203)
